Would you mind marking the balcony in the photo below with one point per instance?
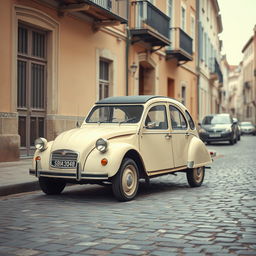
(103, 12)
(216, 72)
(247, 84)
(149, 24)
(181, 46)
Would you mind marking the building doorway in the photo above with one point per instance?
(146, 79)
(170, 88)
(31, 86)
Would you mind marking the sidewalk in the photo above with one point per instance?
(15, 178)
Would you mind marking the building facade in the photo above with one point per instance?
(57, 58)
(163, 48)
(210, 78)
(61, 56)
(249, 79)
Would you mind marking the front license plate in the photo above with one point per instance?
(215, 135)
(64, 164)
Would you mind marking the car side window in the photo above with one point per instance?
(156, 118)
(178, 121)
(190, 120)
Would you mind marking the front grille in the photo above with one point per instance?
(64, 159)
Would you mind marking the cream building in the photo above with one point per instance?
(210, 75)
(249, 79)
(235, 92)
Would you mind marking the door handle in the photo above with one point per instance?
(168, 136)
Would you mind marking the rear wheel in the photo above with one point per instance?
(126, 182)
(51, 186)
(195, 176)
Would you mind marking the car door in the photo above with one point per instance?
(155, 140)
(180, 136)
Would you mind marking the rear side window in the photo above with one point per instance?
(177, 119)
(190, 120)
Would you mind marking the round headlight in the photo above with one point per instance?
(102, 145)
(41, 144)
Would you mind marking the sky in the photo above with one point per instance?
(238, 20)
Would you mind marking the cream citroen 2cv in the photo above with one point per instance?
(122, 140)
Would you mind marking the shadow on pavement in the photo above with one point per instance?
(103, 194)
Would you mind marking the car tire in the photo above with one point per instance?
(232, 141)
(125, 183)
(51, 186)
(195, 176)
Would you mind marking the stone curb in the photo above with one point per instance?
(19, 188)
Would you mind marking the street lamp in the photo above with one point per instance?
(133, 68)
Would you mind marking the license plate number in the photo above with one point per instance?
(215, 135)
(64, 163)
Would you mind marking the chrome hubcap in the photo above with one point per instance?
(129, 180)
(198, 174)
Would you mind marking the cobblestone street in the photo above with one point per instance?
(166, 218)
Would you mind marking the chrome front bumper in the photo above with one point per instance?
(76, 175)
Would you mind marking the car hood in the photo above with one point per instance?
(216, 127)
(83, 138)
(247, 127)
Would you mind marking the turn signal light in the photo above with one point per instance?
(104, 161)
(38, 158)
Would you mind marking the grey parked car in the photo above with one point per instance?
(219, 127)
(247, 128)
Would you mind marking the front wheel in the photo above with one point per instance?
(126, 182)
(195, 176)
(51, 186)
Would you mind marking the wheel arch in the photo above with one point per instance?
(198, 154)
(133, 154)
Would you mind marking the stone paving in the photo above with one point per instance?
(167, 218)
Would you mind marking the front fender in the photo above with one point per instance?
(198, 154)
(45, 157)
(114, 155)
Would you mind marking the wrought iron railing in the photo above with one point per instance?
(217, 70)
(149, 16)
(180, 41)
(118, 7)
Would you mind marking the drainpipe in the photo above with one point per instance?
(128, 41)
(198, 58)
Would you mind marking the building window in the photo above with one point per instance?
(183, 18)
(31, 84)
(104, 79)
(183, 95)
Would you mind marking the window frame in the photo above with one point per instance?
(166, 118)
(182, 114)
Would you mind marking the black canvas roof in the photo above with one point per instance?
(141, 99)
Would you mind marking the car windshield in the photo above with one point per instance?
(246, 124)
(115, 114)
(218, 119)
